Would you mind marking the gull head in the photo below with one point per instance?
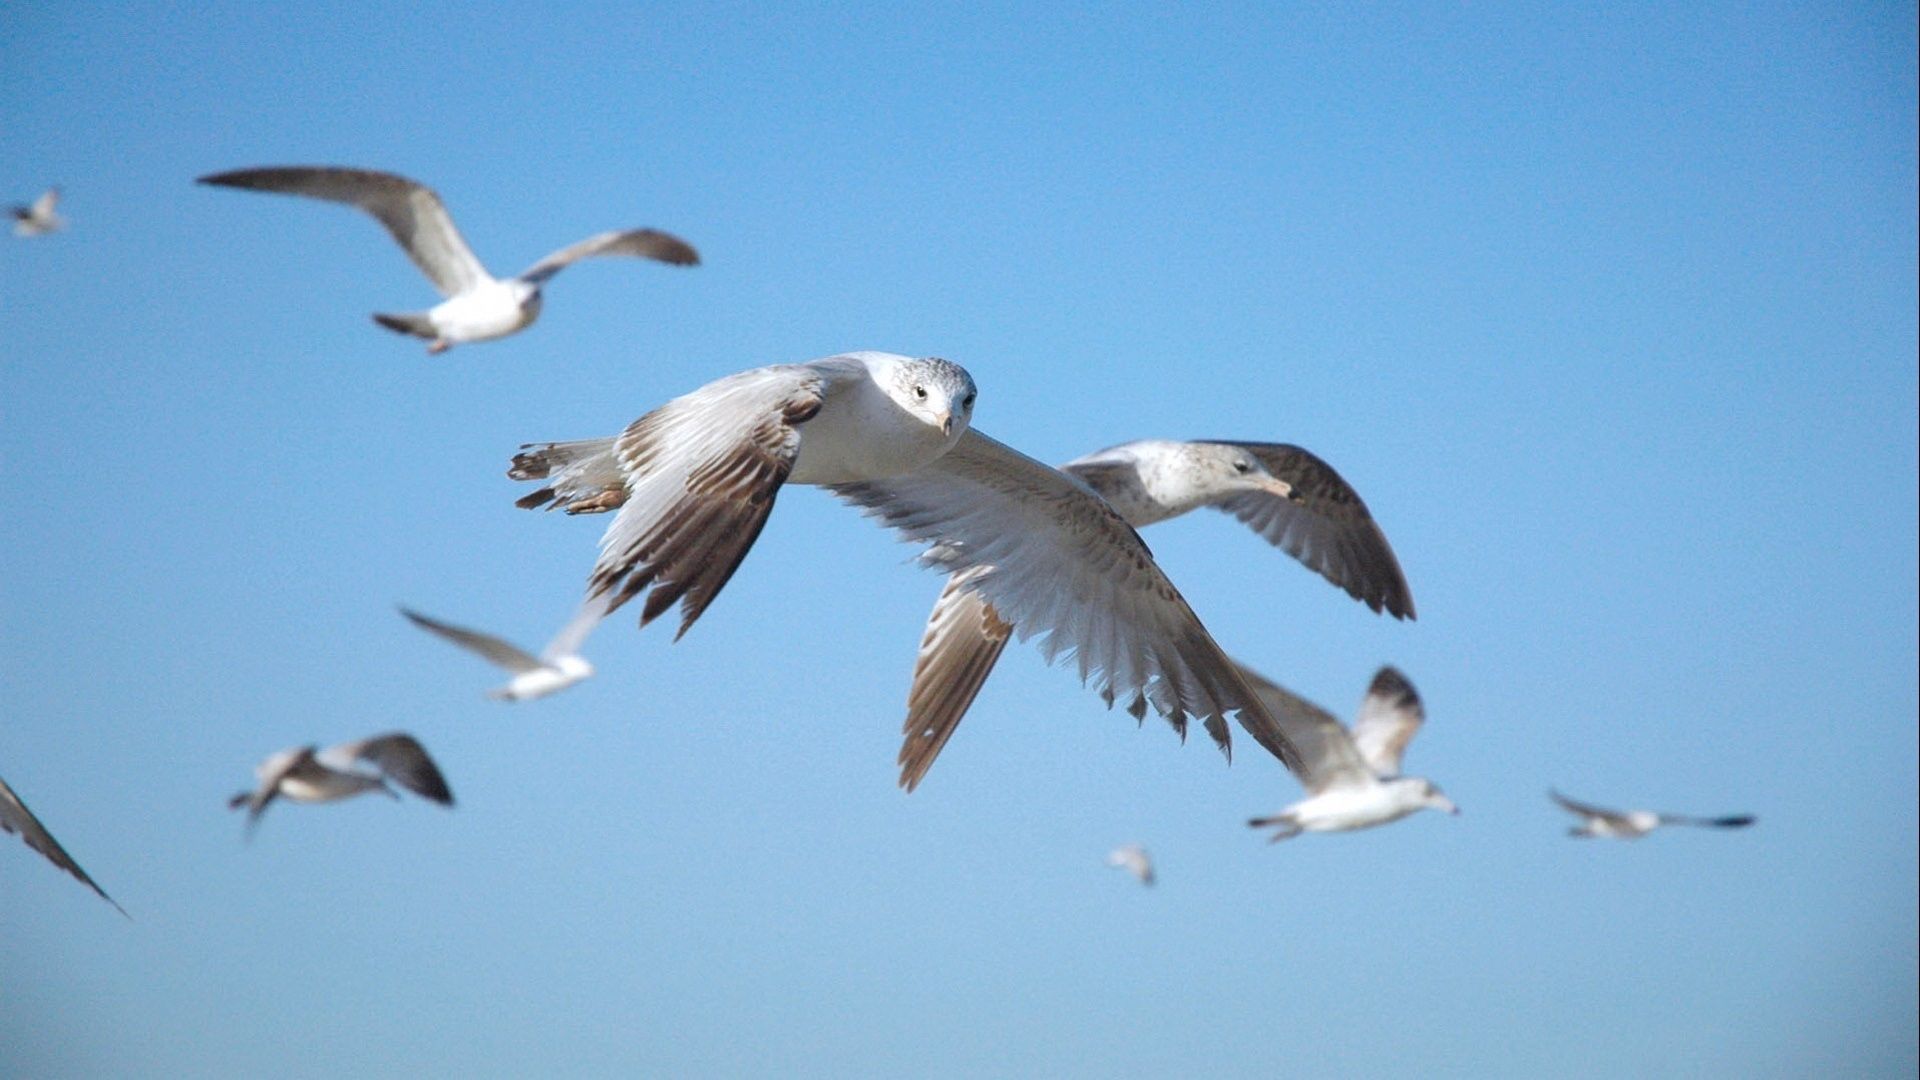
(937, 392)
(1222, 469)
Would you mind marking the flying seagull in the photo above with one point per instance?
(16, 818)
(558, 666)
(1352, 777)
(695, 480)
(38, 219)
(478, 306)
(1289, 496)
(310, 775)
(1134, 860)
(1634, 824)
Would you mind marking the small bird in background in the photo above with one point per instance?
(1599, 823)
(1353, 777)
(1134, 860)
(558, 666)
(38, 218)
(478, 306)
(306, 774)
(16, 818)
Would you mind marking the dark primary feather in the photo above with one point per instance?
(16, 818)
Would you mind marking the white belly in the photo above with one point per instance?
(492, 310)
(1346, 809)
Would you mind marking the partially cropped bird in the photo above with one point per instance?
(1600, 823)
(310, 775)
(1352, 777)
(478, 306)
(16, 818)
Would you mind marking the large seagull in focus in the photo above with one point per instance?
(695, 480)
(478, 306)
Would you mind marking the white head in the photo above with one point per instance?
(938, 392)
(1181, 476)
(1424, 794)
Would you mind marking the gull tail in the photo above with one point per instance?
(583, 477)
(415, 323)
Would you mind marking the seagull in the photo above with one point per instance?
(1286, 494)
(558, 666)
(1134, 860)
(695, 480)
(38, 219)
(1352, 777)
(1634, 824)
(16, 818)
(308, 774)
(478, 306)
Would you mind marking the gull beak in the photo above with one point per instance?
(1277, 486)
(1451, 808)
(946, 422)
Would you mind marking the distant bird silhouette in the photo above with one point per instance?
(558, 666)
(1134, 860)
(306, 774)
(16, 818)
(478, 306)
(38, 218)
(1600, 823)
(1353, 777)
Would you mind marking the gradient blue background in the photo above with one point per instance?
(1608, 313)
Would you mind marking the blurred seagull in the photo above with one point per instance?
(1353, 777)
(1289, 496)
(1134, 860)
(1634, 824)
(478, 306)
(38, 219)
(558, 666)
(16, 818)
(695, 480)
(305, 774)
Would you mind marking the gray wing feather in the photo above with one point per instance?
(16, 818)
(1390, 716)
(498, 651)
(964, 639)
(1328, 754)
(411, 212)
(643, 243)
(1325, 525)
(403, 760)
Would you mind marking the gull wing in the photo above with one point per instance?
(1055, 560)
(412, 213)
(1134, 860)
(573, 635)
(583, 477)
(402, 759)
(42, 208)
(16, 818)
(702, 473)
(963, 641)
(1329, 758)
(496, 650)
(1390, 716)
(644, 243)
(1588, 810)
(1325, 525)
(1731, 821)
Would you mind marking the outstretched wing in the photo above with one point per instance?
(583, 477)
(1325, 525)
(43, 209)
(402, 759)
(411, 212)
(644, 243)
(496, 650)
(1731, 821)
(1054, 560)
(16, 818)
(702, 472)
(1390, 716)
(963, 641)
(1588, 810)
(1328, 756)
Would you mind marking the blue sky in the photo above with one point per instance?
(1608, 313)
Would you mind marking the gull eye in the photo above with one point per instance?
(967, 402)
(1243, 467)
(919, 391)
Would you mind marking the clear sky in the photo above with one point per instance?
(1608, 312)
